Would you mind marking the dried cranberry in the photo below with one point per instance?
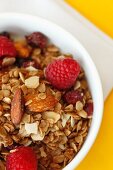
(30, 63)
(72, 97)
(37, 39)
(89, 108)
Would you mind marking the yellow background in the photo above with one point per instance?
(100, 157)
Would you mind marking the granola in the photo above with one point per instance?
(34, 113)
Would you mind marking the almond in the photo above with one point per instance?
(40, 105)
(17, 107)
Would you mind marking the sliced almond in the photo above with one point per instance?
(17, 107)
(32, 82)
(82, 113)
(65, 118)
(79, 106)
(72, 121)
(51, 115)
(22, 77)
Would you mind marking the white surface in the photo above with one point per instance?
(98, 44)
(22, 24)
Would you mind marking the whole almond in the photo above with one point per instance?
(17, 107)
(40, 105)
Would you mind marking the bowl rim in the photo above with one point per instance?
(88, 144)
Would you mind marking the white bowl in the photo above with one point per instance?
(22, 24)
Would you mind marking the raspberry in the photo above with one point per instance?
(7, 47)
(23, 158)
(72, 97)
(62, 73)
(37, 39)
(89, 108)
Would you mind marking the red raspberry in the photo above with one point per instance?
(72, 97)
(89, 108)
(23, 158)
(7, 47)
(62, 73)
(37, 39)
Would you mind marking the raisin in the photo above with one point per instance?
(71, 97)
(89, 108)
(30, 63)
(37, 39)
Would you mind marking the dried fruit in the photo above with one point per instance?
(72, 97)
(23, 51)
(30, 63)
(37, 39)
(62, 73)
(7, 47)
(17, 107)
(89, 109)
(22, 158)
(40, 105)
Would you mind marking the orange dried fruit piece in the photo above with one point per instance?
(23, 50)
(17, 107)
(40, 105)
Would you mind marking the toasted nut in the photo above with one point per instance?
(40, 105)
(42, 95)
(5, 78)
(77, 85)
(16, 73)
(7, 61)
(82, 113)
(51, 115)
(6, 87)
(21, 77)
(28, 102)
(42, 88)
(65, 118)
(52, 48)
(79, 105)
(32, 82)
(72, 121)
(69, 108)
(24, 89)
(17, 107)
(6, 93)
(7, 100)
(36, 52)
